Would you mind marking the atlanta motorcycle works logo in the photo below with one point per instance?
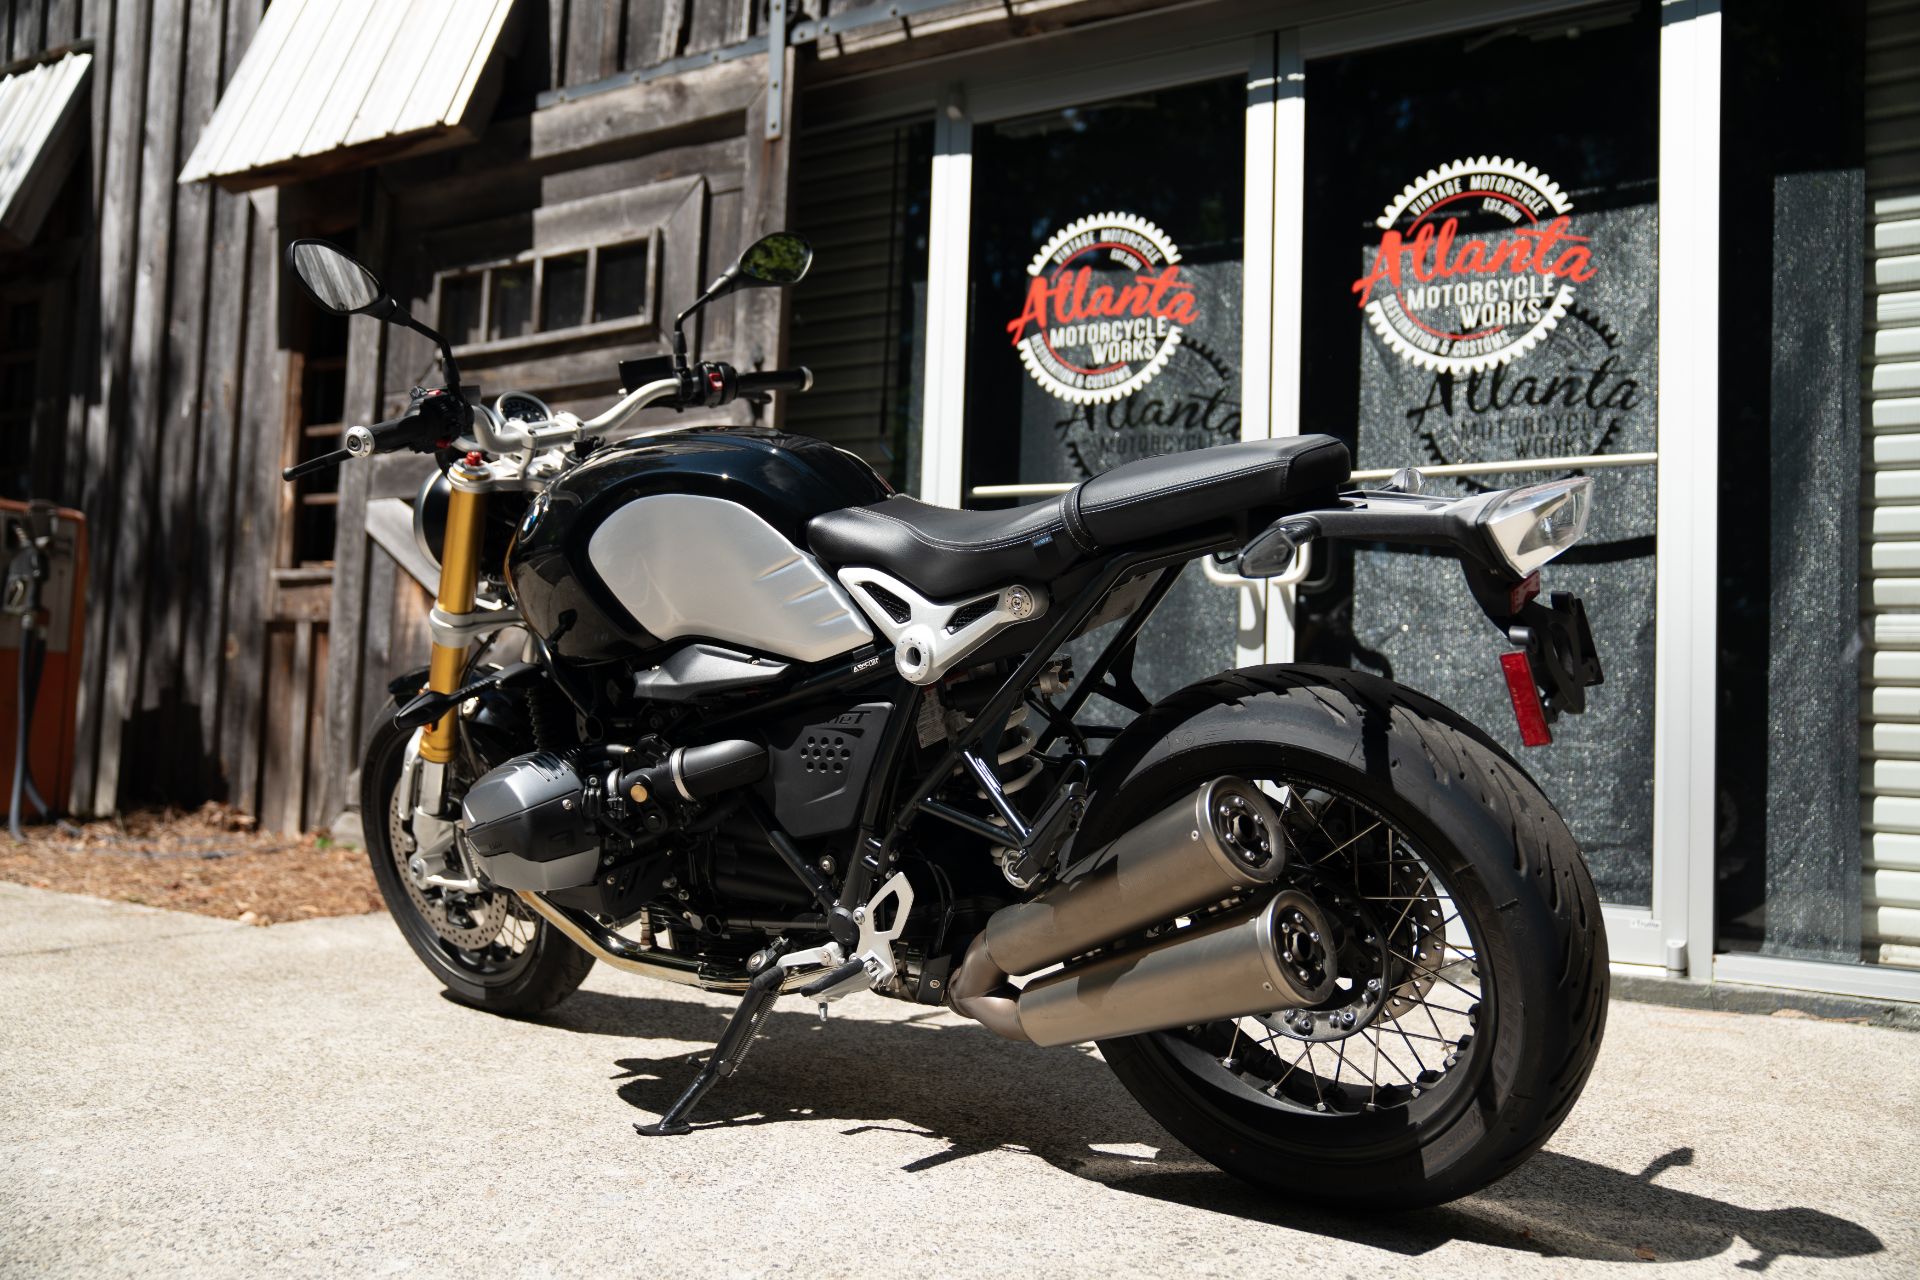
(1475, 265)
(1106, 306)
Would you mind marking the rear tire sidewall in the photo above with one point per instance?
(1498, 1110)
(557, 966)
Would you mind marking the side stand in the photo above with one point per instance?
(737, 1039)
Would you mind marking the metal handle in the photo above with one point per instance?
(1296, 572)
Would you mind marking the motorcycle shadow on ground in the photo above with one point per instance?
(968, 1093)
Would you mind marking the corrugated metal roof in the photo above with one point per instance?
(331, 84)
(38, 108)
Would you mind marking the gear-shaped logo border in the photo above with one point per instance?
(1521, 172)
(1169, 253)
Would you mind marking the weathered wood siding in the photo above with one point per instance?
(172, 408)
(171, 372)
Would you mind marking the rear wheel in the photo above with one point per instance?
(489, 949)
(1456, 908)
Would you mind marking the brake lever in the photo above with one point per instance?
(321, 463)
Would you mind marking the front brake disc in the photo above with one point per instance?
(469, 921)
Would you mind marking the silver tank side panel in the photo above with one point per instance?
(685, 565)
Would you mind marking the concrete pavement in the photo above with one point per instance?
(182, 1095)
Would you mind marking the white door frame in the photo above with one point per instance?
(1676, 931)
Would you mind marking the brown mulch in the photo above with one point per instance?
(213, 861)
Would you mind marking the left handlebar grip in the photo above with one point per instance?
(311, 465)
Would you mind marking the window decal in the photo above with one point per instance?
(1475, 266)
(1105, 308)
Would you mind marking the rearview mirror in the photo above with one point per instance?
(333, 279)
(777, 260)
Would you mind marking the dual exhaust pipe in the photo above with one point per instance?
(1222, 840)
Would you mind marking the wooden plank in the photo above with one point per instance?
(351, 547)
(593, 40)
(86, 475)
(107, 461)
(604, 120)
(24, 28)
(294, 732)
(716, 24)
(278, 790)
(556, 43)
(209, 645)
(320, 778)
(427, 199)
(63, 22)
(377, 657)
(655, 30)
(183, 495)
(262, 426)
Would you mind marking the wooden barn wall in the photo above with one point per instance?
(210, 671)
(175, 404)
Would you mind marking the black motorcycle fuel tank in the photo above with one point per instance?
(696, 535)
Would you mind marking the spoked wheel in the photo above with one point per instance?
(1399, 1026)
(488, 948)
(1443, 910)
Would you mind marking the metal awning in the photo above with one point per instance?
(329, 85)
(41, 110)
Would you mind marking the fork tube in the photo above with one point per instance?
(459, 577)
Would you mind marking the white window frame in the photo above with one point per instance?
(1676, 932)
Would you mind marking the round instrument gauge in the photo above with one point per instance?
(518, 406)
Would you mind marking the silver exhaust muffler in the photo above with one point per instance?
(1223, 839)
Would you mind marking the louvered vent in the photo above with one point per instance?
(1890, 741)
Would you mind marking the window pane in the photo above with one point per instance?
(512, 301)
(460, 308)
(622, 287)
(563, 302)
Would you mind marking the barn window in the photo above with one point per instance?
(548, 294)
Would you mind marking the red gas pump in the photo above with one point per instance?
(43, 549)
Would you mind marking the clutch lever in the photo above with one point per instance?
(321, 463)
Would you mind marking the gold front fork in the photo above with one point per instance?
(459, 577)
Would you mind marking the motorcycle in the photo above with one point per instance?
(715, 705)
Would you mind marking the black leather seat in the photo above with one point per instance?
(945, 553)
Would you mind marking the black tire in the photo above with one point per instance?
(545, 970)
(1516, 880)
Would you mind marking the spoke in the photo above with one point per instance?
(1362, 836)
(1313, 1070)
(1435, 974)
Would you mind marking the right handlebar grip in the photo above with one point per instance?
(311, 465)
(758, 383)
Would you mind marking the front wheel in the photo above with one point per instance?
(1464, 925)
(489, 949)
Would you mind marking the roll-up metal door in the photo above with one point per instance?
(854, 194)
(1891, 702)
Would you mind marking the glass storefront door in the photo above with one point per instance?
(1409, 244)
(1106, 253)
(1480, 290)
